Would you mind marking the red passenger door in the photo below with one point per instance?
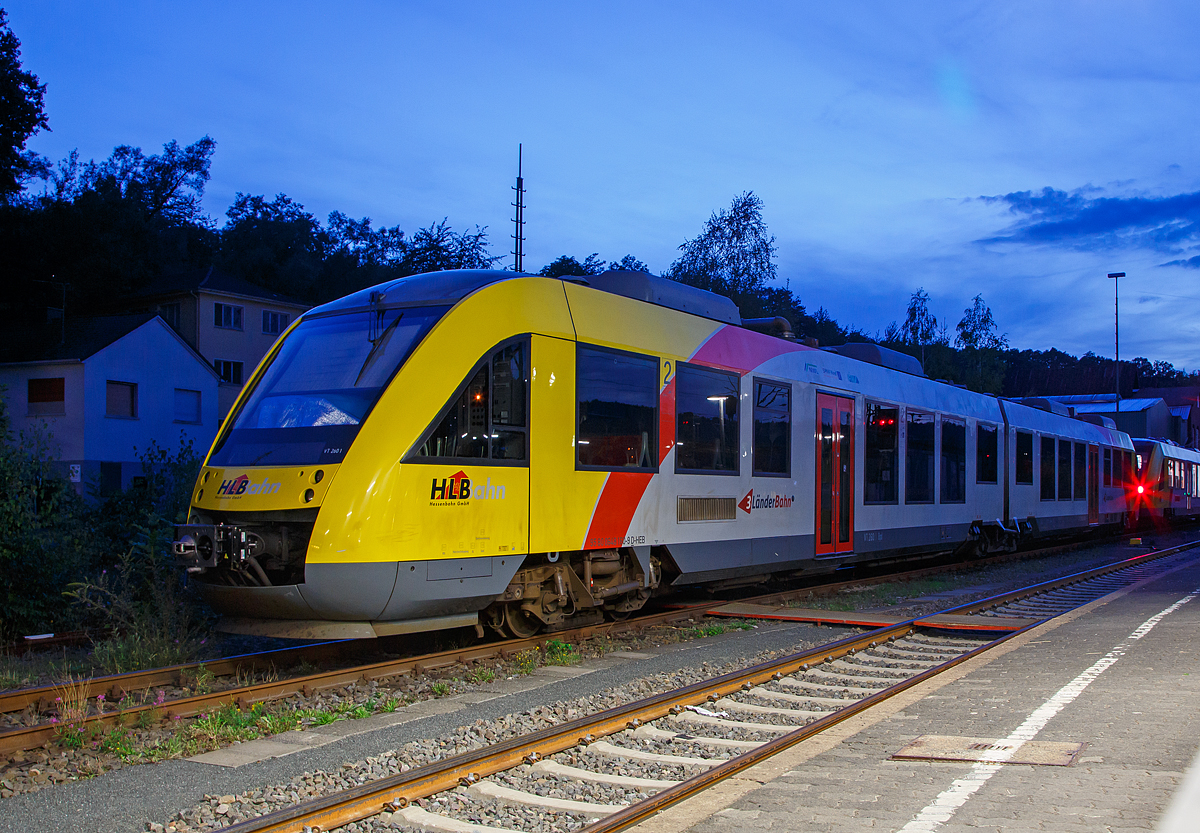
(835, 475)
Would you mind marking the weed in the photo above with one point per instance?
(390, 704)
(718, 628)
(440, 688)
(526, 662)
(481, 675)
(561, 653)
(200, 679)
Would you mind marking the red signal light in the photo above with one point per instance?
(1141, 490)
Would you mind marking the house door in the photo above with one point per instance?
(835, 475)
(1093, 484)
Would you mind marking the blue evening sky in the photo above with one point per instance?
(1020, 150)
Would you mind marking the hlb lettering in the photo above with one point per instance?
(241, 485)
(455, 487)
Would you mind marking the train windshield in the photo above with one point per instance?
(310, 401)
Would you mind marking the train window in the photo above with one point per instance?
(510, 393)
(985, 453)
(1108, 469)
(919, 458)
(1064, 469)
(487, 418)
(879, 453)
(954, 461)
(772, 428)
(323, 380)
(706, 421)
(1048, 492)
(1024, 467)
(617, 409)
(1080, 471)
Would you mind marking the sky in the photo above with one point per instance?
(1019, 150)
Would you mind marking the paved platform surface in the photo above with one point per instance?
(1121, 675)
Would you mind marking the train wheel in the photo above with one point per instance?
(519, 623)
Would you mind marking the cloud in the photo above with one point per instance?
(1082, 220)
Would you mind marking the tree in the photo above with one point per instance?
(21, 115)
(920, 326)
(439, 247)
(276, 244)
(565, 265)
(629, 263)
(977, 329)
(734, 255)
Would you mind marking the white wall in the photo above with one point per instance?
(67, 430)
(154, 358)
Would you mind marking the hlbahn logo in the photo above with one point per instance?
(241, 485)
(752, 501)
(457, 487)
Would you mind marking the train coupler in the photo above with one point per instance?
(200, 547)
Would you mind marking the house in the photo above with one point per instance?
(1184, 402)
(1143, 416)
(232, 323)
(103, 388)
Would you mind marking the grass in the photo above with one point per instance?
(145, 741)
(718, 627)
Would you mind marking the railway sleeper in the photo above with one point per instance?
(612, 750)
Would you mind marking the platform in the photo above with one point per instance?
(1121, 676)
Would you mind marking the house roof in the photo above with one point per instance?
(1109, 406)
(212, 280)
(1182, 395)
(1181, 411)
(79, 339)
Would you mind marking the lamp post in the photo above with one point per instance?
(1116, 276)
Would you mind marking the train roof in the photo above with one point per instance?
(450, 286)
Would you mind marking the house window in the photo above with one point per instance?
(170, 313)
(772, 427)
(230, 372)
(274, 323)
(706, 409)
(121, 400)
(46, 397)
(187, 405)
(879, 455)
(1024, 472)
(227, 316)
(617, 409)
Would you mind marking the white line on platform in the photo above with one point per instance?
(942, 808)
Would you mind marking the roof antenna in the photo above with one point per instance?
(519, 219)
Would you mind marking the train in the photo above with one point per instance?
(522, 453)
(1165, 483)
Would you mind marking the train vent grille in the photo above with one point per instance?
(705, 509)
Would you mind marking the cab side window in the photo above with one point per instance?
(487, 418)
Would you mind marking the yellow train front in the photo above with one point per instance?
(374, 476)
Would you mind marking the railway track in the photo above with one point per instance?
(611, 770)
(170, 691)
